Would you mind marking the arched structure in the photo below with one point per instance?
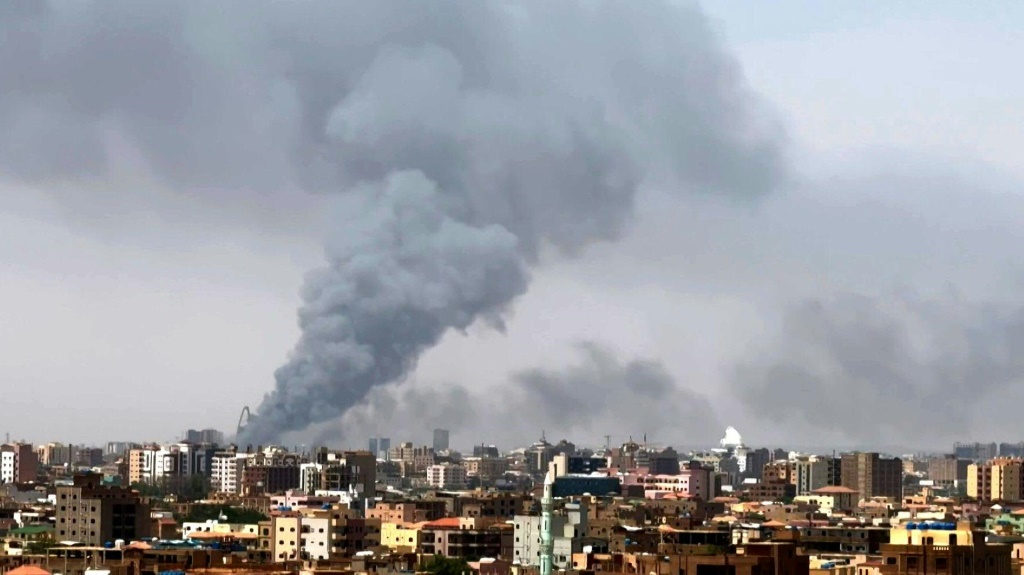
(243, 420)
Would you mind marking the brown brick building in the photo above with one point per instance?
(871, 475)
(94, 514)
(267, 479)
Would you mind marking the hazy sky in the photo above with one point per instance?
(883, 276)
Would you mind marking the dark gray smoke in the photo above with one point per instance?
(468, 135)
(882, 369)
(598, 393)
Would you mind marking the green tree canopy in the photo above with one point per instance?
(441, 565)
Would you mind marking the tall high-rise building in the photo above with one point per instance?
(380, 446)
(208, 436)
(440, 439)
(873, 476)
(976, 451)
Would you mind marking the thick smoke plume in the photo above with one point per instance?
(882, 369)
(464, 137)
(595, 394)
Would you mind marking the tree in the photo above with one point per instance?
(441, 565)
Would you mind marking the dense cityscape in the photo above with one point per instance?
(205, 506)
(441, 247)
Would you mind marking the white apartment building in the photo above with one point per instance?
(446, 476)
(569, 528)
(309, 477)
(226, 471)
(316, 538)
(8, 466)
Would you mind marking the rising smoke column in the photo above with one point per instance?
(462, 138)
(481, 154)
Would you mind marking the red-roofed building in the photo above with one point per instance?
(466, 537)
(843, 498)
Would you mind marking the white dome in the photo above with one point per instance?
(732, 438)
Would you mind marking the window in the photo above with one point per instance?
(941, 563)
(911, 562)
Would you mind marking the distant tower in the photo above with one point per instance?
(547, 540)
(441, 438)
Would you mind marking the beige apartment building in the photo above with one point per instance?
(285, 538)
(996, 480)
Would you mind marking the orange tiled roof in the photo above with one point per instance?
(837, 489)
(445, 522)
(29, 570)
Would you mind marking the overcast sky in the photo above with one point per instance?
(871, 299)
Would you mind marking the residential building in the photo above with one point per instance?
(414, 511)
(54, 454)
(348, 471)
(226, 469)
(203, 436)
(871, 475)
(976, 451)
(447, 476)
(412, 458)
(488, 469)
(349, 533)
(399, 538)
(145, 464)
(88, 457)
(664, 462)
(315, 538)
(91, 513)
(569, 525)
(492, 504)
(285, 537)
(18, 463)
(465, 537)
(693, 481)
(755, 460)
(268, 479)
(998, 479)
(943, 550)
(840, 498)
(947, 470)
(7, 465)
(811, 474)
